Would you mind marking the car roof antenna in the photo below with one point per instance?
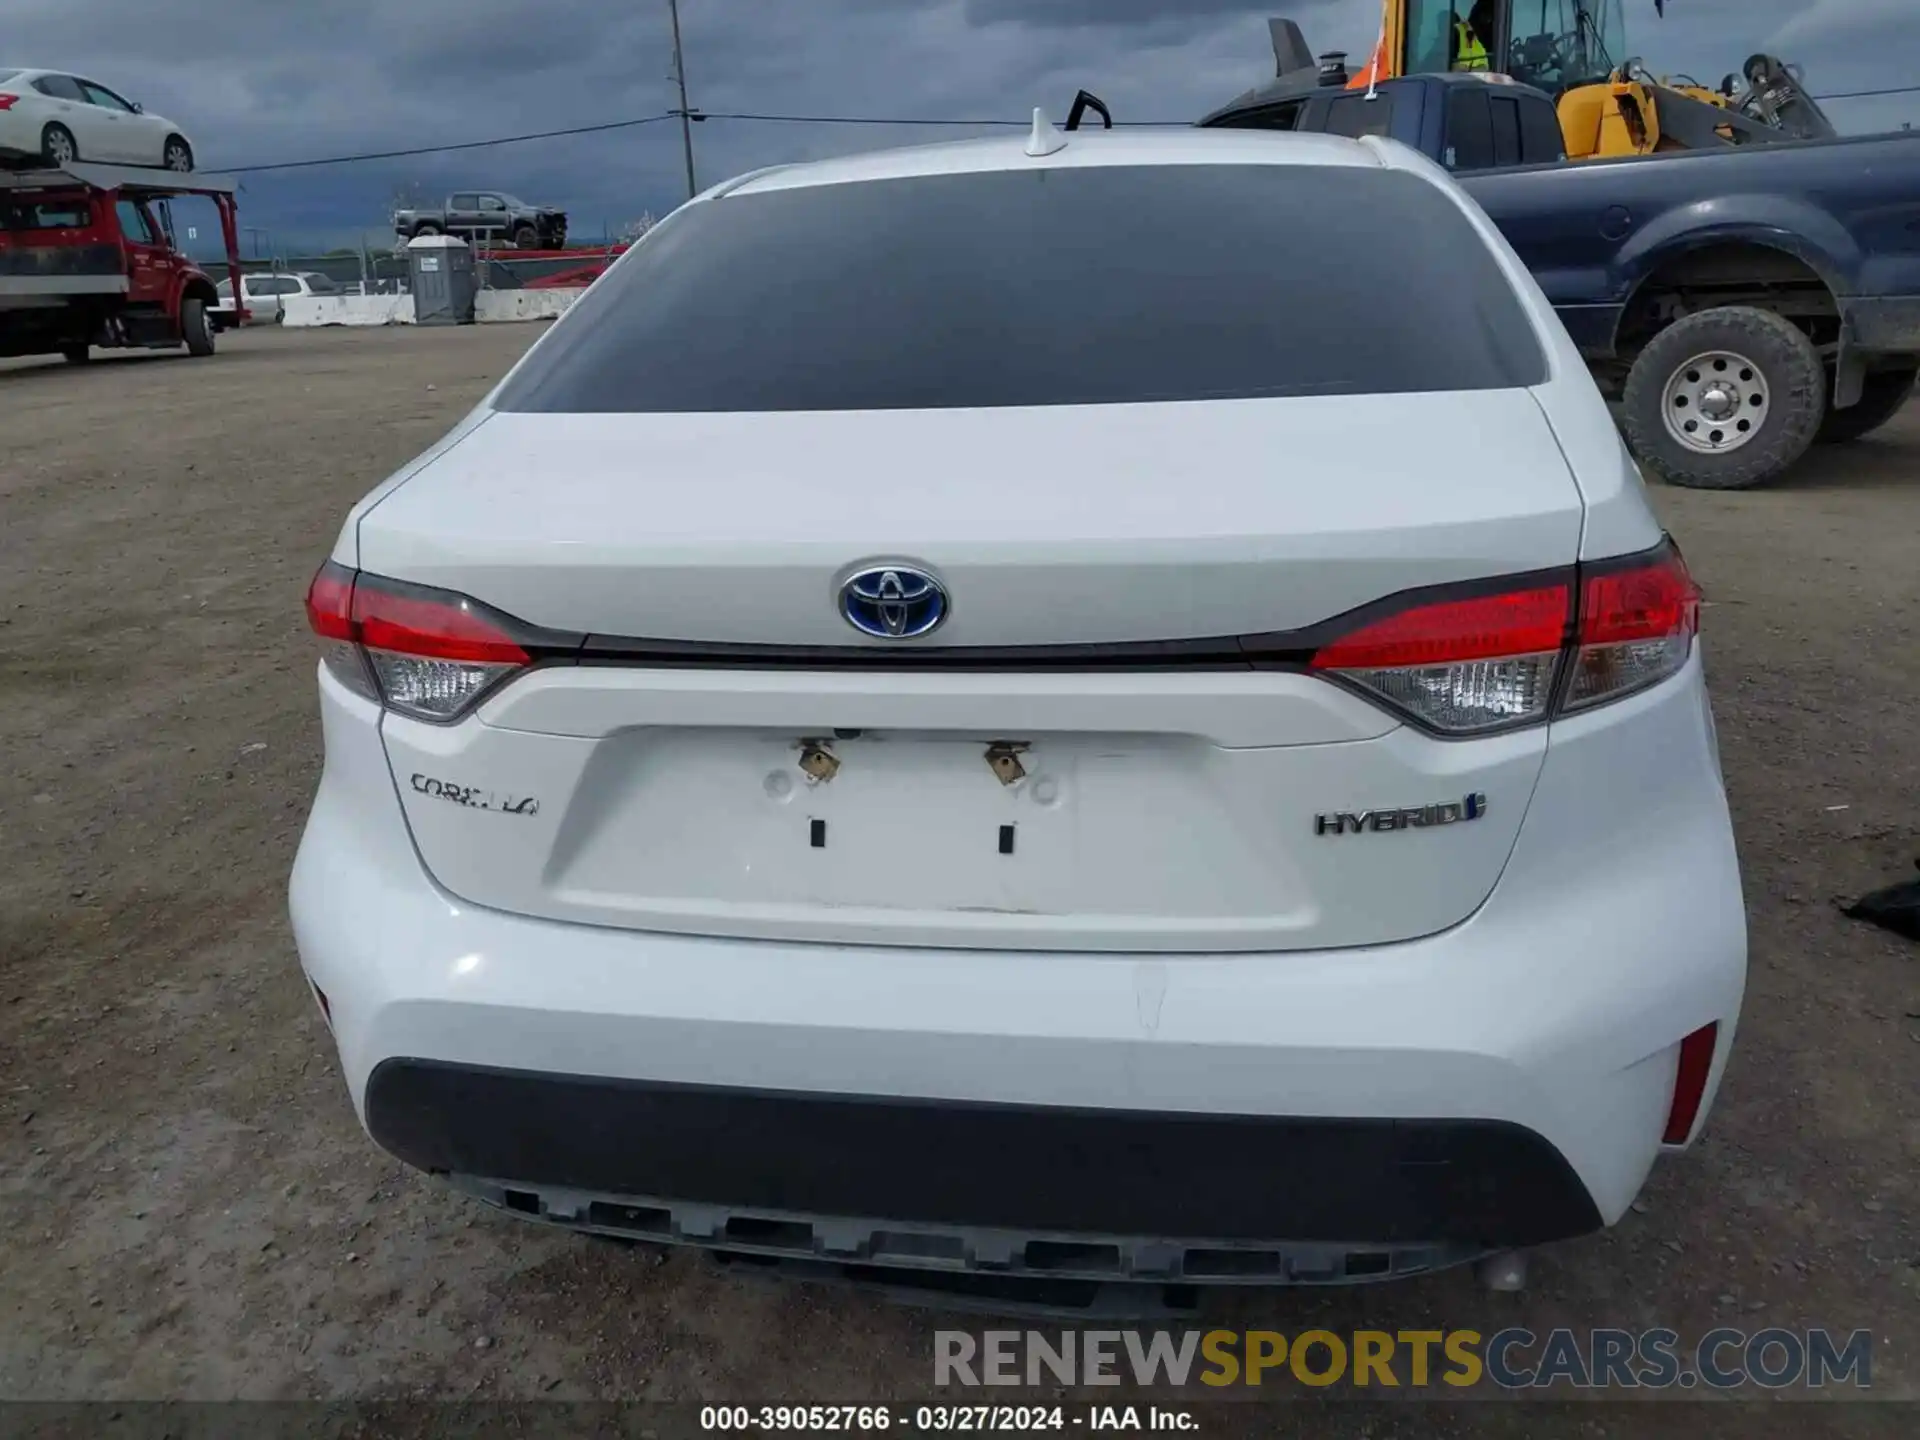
(1044, 140)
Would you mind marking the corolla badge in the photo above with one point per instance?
(893, 602)
(475, 798)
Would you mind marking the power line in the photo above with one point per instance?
(696, 115)
(1158, 124)
(847, 119)
(921, 120)
(1862, 94)
(704, 115)
(441, 149)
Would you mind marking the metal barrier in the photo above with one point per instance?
(545, 269)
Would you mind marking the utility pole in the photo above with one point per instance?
(680, 78)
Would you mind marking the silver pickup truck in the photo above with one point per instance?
(490, 217)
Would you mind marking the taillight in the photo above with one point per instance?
(426, 653)
(1636, 628)
(1462, 666)
(330, 615)
(1473, 664)
(7, 102)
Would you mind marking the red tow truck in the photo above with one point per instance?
(88, 259)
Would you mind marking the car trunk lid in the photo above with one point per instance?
(982, 786)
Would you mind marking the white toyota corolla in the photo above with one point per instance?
(1104, 706)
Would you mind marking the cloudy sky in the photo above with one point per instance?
(261, 81)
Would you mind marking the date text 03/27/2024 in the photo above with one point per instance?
(943, 1418)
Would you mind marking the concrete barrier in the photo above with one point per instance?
(544, 304)
(489, 306)
(347, 310)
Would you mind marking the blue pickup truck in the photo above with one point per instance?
(1739, 304)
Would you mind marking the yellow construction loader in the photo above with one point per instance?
(1608, 106)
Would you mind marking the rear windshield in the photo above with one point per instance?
(1049, 286)
(6, 74)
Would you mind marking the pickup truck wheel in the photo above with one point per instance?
(194, 328)
(1882, 395)
(1724, 399)
(525, 237)
(425, 227)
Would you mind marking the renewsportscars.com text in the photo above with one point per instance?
(1512, 1359)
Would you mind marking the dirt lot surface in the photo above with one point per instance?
(188, 1209)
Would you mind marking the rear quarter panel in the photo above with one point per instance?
(1617, 518)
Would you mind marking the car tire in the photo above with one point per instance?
(1724, 399)
(426, 227)
(1882, 394)
(194, 328)
(58, 147)
(525, 237)
(76, 354)
(177, 155)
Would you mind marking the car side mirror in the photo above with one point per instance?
(138, 108)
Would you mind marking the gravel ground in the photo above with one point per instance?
(189, 1211)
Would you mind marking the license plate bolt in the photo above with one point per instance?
(817, 762)
(1003, 758)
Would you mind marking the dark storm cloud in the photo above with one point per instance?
(267, 80)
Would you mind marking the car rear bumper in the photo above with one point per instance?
(1503, 1082)
(968, 1166)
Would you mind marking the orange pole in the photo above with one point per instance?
(1389, 52)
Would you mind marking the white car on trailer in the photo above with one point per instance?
(58, 117)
